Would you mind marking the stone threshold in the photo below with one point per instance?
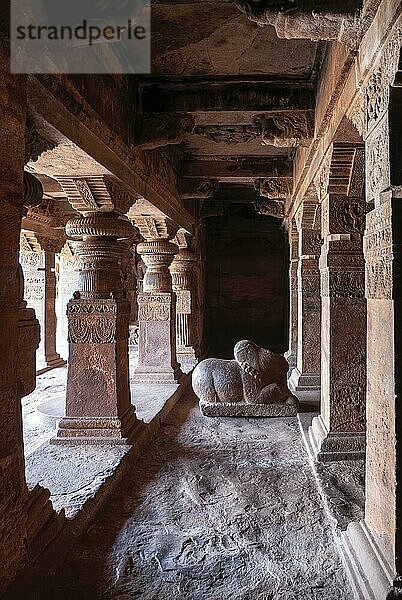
(81, 478)
(340, 482)
(341, 486)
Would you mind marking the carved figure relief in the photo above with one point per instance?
(347, 215)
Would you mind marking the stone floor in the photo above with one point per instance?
(216, 509)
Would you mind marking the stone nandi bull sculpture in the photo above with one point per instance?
(252, 385)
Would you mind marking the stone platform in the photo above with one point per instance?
(241, 409)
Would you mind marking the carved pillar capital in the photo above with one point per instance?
(157, 256)
(100, 250)
(97, 193)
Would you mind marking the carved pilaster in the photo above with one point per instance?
(339, 431)
(381, 528)
(98, 404)
(305, 377)
(291, 354)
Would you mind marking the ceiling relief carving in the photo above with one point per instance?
(285, 130)
(308, 19)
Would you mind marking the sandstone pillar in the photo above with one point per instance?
(374, 545)
(40, 294)
(33, 266)
(182, 271)
(157, 360)
(52, 357)
(69, 266)
(291, 354)
(306, 376)
(339, 431)
(15, 335)
(98, 405)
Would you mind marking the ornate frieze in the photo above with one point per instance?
(97, 321)
(229, 134)
(372, 100)
(154, 307)
(357, 178)
(342, 283)
(197, 188)
(347, 215)
(161, 130)
(378, 253)
(310, 242)
(321, 180)
(378, 165)
(97, 192)
(271, 208)
(275, 188)
(309, 282)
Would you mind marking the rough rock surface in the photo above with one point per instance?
(217, 508)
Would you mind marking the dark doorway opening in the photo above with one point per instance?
(247, 281)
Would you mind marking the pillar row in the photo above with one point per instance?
(98, 404)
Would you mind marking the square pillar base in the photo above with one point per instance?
(305, 385)
(339, 445)
(97, 430)
(145, 374)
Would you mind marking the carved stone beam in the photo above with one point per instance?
(97, 192)
(225, 96)
(35, 143)
(274, 191)
(235, 168)
(161, 130)
(229, 134)
(271, 208)
(278, 188)
(197, 188)
(307, 19)
(285, 130)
